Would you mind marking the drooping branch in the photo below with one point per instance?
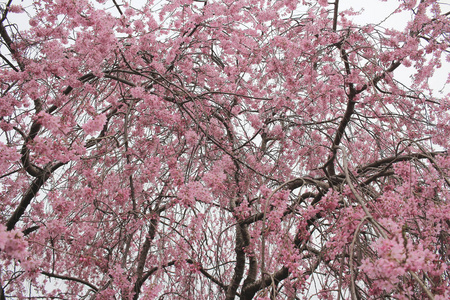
(71, 279)
(373, 221)
(251, 286)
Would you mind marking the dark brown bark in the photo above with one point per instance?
(29, 195)
(240, 265)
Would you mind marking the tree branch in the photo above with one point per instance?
(393, 159)
(118, 7)
(9, 43)
(207, 275)
(70, 279)
(335, 14)
(329, 165)
(240, 265)
(30, 194)
(143, 258)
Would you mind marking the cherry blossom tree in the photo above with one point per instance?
(222, 149)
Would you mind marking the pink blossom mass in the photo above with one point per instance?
(224, 149)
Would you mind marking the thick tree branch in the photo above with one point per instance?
(335, 14)
(329, 165)
(118, 7)
(144, 277)
(9, 43)
(300, 243)
(9, 63)
(71, 279)
(143, 256)
(30, 230)
(239, 265)
(390, 160)
(31, 192)
(2, 293)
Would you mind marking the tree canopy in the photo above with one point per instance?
(223, 149)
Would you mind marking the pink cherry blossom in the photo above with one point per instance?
(94, 125)
(224, 150)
